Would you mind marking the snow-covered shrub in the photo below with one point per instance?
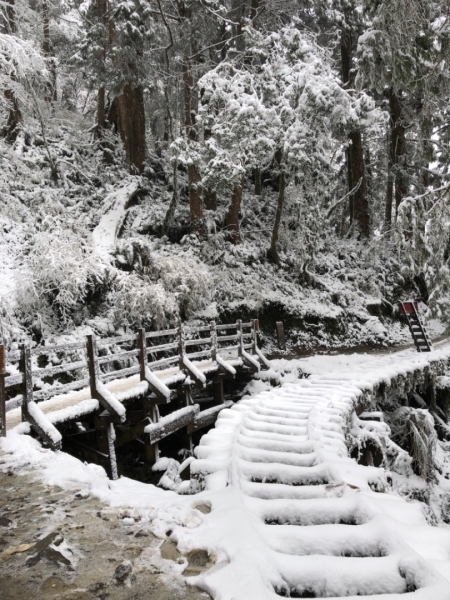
(139, 302)
(188, 281)
(413, 429)
(58, 271)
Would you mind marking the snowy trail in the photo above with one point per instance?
(294, 516)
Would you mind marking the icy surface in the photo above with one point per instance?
(104, 235)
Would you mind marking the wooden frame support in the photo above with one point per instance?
(218, 394)
(107, 400)
(31, 412)
(105, 438)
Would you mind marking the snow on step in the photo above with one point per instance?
(293, 515)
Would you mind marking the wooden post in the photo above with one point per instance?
(105, 436)
(152, 450)
(184, 398)
(213, 329)
(2, 392)
(280, 335)
(218, 388)
(240, 337)
(94, 371)
(111, 434)
(25, 367)
(181, 346)
(255, 335)
(142, 345)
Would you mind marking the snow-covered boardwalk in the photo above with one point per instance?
(294, 516)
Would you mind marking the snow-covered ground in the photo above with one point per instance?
(291, 513)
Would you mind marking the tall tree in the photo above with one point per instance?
(8, 26)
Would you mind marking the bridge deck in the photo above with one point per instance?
(78, 404)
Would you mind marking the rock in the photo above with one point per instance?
(123, 571)
(5, 522)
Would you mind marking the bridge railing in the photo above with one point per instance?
(100, 360)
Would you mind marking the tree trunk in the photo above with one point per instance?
(194, 177)
(210, 199)
(102, 9)
(12, 127)
(258, 181)
(101, 116)
(358, 202)
(397, 156)
(51, 92)
(272, 253)
(131, 125)
(232, 219)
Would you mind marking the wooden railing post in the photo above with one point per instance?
(240, 337)
(2, 391)
(213, 328)
(25, 367)
(142, 345)
(181, 346)
(93, 366)
(255, 335)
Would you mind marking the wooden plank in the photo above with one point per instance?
(2, 392)
(118, 339)
(163, 332)
(57, 369)
(39, 350)
(162, 347)
(132, 433)
(198, 342)
(13, 380)
(207, 417)
(199, 354)
(61, 389)
(227, 338)
(163, 361)
(172, 423)
(119, 356)
(226, 326)
(111, 375)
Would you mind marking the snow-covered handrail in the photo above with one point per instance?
(133, 353)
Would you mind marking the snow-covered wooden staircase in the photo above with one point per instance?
(416, 326)
(294, 515)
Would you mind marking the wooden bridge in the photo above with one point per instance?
(115, 389)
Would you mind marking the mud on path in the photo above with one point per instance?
(64, 544)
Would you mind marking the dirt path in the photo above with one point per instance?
(62, 544)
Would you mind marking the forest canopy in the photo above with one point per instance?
(292, 139)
